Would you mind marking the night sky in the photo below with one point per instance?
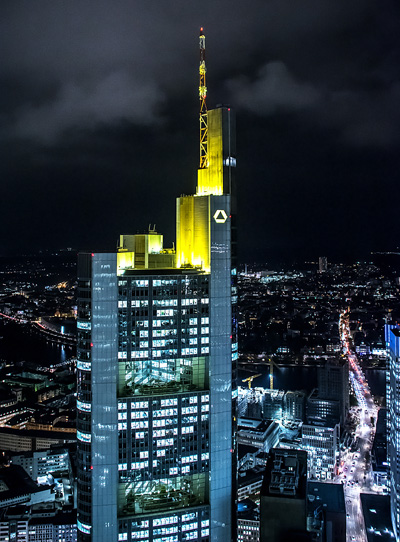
(99, 121)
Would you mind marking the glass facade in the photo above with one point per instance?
(144, 419)
(392, 336)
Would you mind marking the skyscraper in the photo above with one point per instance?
(322, 264)
(157, 350)
(392, 337)
(333, 384)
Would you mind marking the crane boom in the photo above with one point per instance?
(250, 379)
(203, 105)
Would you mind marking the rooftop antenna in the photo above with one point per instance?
(203, 105)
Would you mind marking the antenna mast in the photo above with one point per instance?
(203, 105)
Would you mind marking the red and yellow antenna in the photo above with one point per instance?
(203, 105)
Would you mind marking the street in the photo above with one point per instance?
(355, 467)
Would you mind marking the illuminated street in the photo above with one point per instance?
(355, 471)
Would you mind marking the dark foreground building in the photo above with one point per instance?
(283, 503)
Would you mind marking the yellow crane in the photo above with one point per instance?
(271, 372)
(250, 379)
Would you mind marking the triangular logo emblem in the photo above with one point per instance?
(220, 216)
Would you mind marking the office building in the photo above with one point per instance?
(392, 337)
(322, 264)
(40, 464)
(273, 404)
(264, 435)
(333, 384)
(321, 410)
(294, 406)
(249, 483)
(321, 441)
(24, 524)
(157, 348)
(283, 503)
(377, 521)
(248, 521)
(379, 452)
(326, 511)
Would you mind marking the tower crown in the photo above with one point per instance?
(203, 105)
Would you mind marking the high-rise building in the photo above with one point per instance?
(322, 264)
(321, 441)
(321, 410)
(333, 383)
(392, 337)
(283, 502)
(157, 350)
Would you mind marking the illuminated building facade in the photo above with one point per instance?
(321, 442)
(157, 350)
(392, 337)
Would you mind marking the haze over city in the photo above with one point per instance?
(99, 121)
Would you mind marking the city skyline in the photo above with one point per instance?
(100, 112)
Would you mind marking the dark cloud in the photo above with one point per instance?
(102, 102)
(274, 89)
(363, 117)
(99, 116)
(95, 54)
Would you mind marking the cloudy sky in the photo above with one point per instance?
(99, 127)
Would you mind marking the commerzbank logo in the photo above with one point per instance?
(220, 216)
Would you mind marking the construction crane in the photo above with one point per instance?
(250, 379)
(271, 373)
(203, 105)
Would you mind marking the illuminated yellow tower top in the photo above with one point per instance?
(210, 180)
(198, 214)
(210, 177)
(195, 215)
(203, 105)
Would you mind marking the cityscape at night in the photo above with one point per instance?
(199, 272)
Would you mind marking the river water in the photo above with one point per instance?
(19, 343)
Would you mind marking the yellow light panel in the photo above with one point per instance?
(210, 179)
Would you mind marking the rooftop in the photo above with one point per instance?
(285, 474)
(332, 495)
(377, 520)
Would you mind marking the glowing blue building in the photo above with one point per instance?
(392, 337)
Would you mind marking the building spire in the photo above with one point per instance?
(203, 105)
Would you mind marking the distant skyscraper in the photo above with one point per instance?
(392, 336)
(322, 264)
(157, 350)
